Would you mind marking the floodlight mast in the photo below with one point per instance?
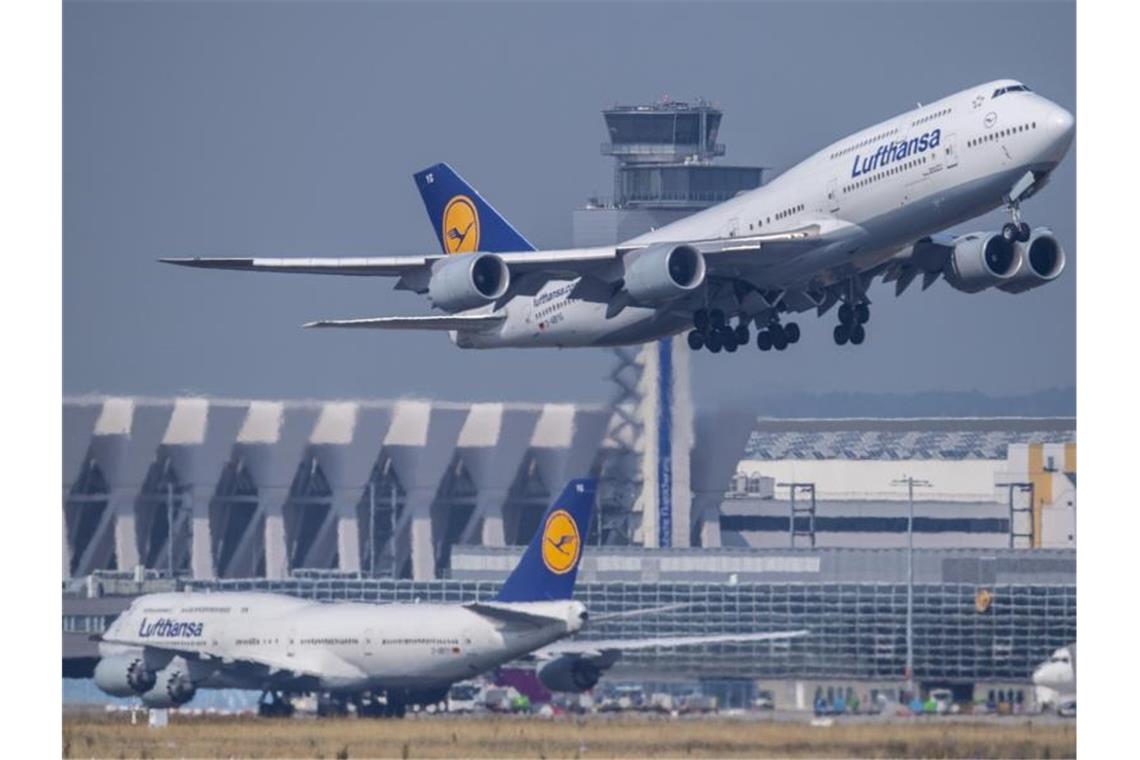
(910, 483)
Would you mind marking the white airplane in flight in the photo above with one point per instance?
(165, 647)
(869, 205)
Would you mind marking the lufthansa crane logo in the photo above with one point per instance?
(460, 225)
(561, 543)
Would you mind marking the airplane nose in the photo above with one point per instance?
(1063, 123)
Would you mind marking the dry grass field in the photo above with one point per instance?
(97, 735)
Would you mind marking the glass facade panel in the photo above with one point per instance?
(857, 630)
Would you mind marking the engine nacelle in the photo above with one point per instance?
(1042, 261)
(466, 280)
(981, 260)
(663, 272)
(173, 687)
(569, 673)
(124, 675)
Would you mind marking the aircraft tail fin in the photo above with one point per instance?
(549, 565)
(463, 221)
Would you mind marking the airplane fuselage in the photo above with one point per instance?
(355, 646)
(894, 183)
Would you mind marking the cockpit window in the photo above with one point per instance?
(1012, 88)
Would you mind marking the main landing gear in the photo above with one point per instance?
(274, 704)
(777, 336)
(712, 331)
(852, 317)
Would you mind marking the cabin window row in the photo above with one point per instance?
(864, 143)
(1003, 133)
(930, 116)
(788, 212)
(885, 173)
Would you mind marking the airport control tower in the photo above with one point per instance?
(664, 169)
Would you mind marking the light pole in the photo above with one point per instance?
(910, 484)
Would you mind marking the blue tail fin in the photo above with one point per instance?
(550, 563)
(462, 220)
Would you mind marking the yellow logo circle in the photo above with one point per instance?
(460, 225)
(561, 543)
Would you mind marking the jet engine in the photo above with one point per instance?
(1042, 261)
(981, 260)
(663, 272)
(464, 281)
(124, 675)
(569, 673)
(172, 687)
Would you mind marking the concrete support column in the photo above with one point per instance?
(66, 553)
(489, 504)
(276, 550)
(347, 536)
(122, 506)
(201, 549)
(710, 527)
(419, 504)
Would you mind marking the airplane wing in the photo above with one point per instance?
(599, 647)
(437, 322)
(570, 261)
(379, 266)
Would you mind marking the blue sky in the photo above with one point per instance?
(292, 129)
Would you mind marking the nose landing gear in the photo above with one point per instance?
(1015, 231)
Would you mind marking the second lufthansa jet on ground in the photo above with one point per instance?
(869, 205)
(381, 658)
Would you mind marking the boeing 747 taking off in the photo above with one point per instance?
(873, 204)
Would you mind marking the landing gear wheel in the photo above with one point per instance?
(1010, 232)
(701, 320)
(846, 314)
(857, 335)
(696, 340)
(731, 345)
(716, 319)
(862, 313)
(713, 342)
(742, 335)
(842, 334)
(792, 332)
(1023, 232)
(779, 337)
(728, 339)
(764, 340)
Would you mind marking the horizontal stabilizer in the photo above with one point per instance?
(441, 322)
(509, 614)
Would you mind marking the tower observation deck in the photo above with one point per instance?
(664, 169)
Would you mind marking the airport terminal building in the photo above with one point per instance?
(410, 500)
